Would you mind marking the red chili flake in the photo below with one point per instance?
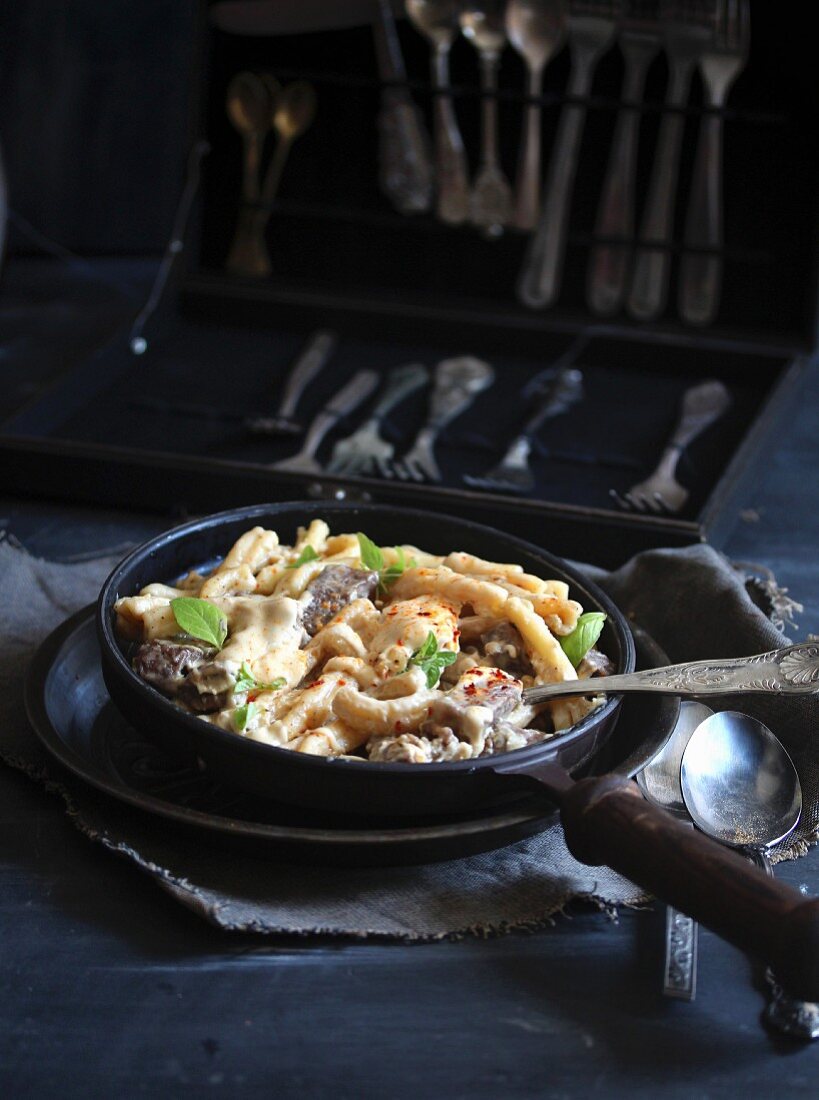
(400, 641)
(456, 633)
(470, 689)
(429, 712)
(317, 683)
(252, 696)
(424, 614)
(342, 683)
(398, 726)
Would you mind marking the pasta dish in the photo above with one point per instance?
(335, 646)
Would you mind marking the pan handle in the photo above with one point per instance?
(607, 821)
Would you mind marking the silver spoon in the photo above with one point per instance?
(741, 788)
(537, 30)
(660, 783)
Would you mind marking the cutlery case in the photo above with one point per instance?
(154, 420)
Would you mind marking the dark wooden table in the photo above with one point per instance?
(109, 988)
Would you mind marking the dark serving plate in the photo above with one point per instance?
(78, 724)
(344, 785)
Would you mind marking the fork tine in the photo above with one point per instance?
(637, 502)
(414, 470)
(383, 468)
(662, 507)
(654, 503)
(620, 501)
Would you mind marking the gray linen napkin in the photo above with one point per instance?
(692, 601)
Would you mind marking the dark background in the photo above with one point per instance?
(93, 119)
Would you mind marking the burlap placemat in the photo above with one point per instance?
(693, 602)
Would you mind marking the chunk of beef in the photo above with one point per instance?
(185, 672)
(503, 647)
(164, 664)
(333, 589)
(481, 697)
(207, 688)
(594, 663)
(408, 748)
(504, 737)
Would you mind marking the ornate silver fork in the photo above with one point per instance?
(365, 451)
(349, 397)
(661, 493)
(720, 64)
(457, 383)
(512, 474)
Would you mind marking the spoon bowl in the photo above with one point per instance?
(739, 783)
(483, 25)
(295, 110)
(660, 778)
(437, 19)
(536, 29)
(248, 104)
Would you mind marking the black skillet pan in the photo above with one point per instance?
(605, 819)
(346, 786)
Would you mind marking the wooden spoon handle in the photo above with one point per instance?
(607, 820)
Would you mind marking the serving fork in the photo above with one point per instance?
(639, 42)
(349, 397)
(686, 34)
(661, 493)
(591, 27)
(457, 383)
(513, 474)
(311, 360)
(366, 452)
(720, 63)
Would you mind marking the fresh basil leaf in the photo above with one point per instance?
(246, 681)
(431, 660)
(200, 619)
(307, 554)
(243, 715)
(427, 650)
(588, 629)
(371, 556)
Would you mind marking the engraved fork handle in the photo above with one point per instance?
(793, 670)
(405, 168)
(700, 274)
(401, 383)
(349, 397)
(308, 365)
(615, 218)
(566, 390)
(649, 286)
(540, 279)
(450, 160)
(701, 406)
(457, 384)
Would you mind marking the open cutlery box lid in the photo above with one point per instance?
(155, 419)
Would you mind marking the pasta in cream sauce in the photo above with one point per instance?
(336, 647)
